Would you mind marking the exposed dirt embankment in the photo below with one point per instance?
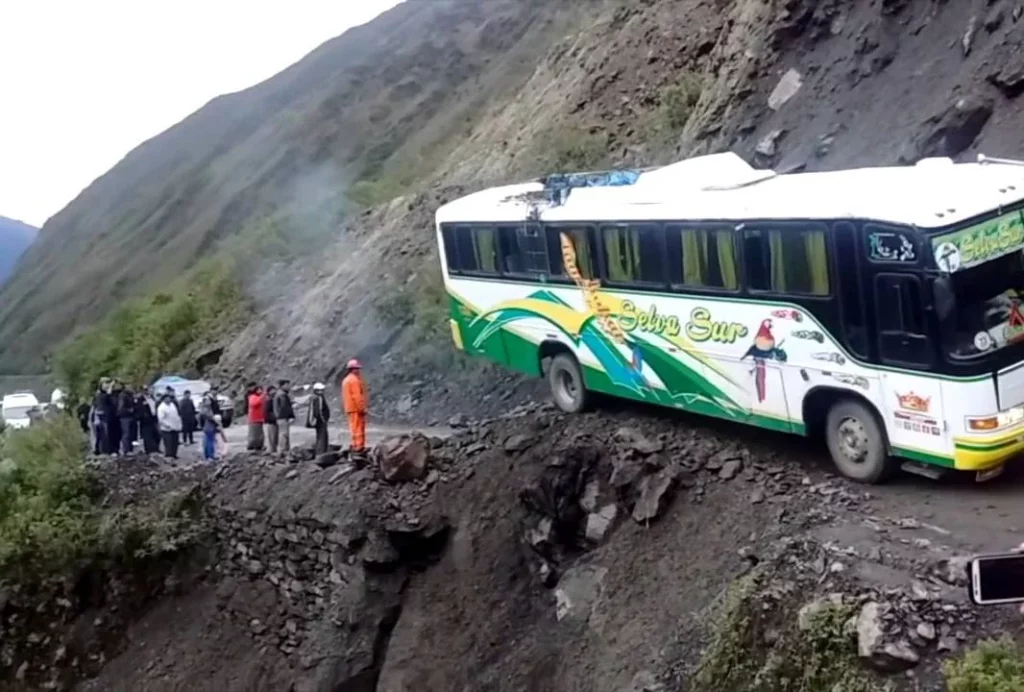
(537, 552)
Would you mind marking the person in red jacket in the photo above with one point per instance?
(353, 398)
(257, 417)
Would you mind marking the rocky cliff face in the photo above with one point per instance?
(532, 552)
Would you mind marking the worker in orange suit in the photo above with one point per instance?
(353, 398)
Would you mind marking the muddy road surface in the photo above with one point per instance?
(955, 508)
(301, 435)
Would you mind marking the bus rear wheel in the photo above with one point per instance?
(857, 444)
(566, 382)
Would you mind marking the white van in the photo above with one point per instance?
(16, 407)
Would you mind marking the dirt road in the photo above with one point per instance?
(954, 511)
(301, 435)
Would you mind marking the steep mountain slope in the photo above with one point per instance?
(291, 144)
(15, 238)
(643, 83)
(439, 97)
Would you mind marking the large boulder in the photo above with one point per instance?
(402, 458)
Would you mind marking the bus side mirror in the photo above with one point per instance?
(943, 298)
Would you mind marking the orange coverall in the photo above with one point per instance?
(353, 397)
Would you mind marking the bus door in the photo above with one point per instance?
(911, 401)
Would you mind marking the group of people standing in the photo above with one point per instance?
(271, 413)
(119, 417)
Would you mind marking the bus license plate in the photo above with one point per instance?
(990, 474)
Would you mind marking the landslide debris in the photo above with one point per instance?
(536, 551)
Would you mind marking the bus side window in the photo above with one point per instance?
(477, 249)
(790, 259)
(702, 257)
(900, 313)
(634, 253)
(451, 252)
(579, 237)
(851, 300)
(523, 250)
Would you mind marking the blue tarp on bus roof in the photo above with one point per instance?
(559, 185)
(598, 179)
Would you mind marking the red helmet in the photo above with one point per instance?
(354, 365)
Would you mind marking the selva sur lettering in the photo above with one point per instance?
(702, 328)
(632, 319)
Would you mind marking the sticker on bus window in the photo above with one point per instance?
(983, 341)
(947, 257)
(891, 247)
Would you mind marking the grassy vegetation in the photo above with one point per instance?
(563, 150)
(992, 666)
(661, 127)
(422, 305)
(145, 337)
(677, 103)
(141, 338)
(820, 658)
(50, 519)
(370, 192)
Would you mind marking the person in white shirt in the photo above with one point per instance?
(169, 420)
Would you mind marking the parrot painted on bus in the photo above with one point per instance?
(764, 348)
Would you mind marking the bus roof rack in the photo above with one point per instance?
(991, 159)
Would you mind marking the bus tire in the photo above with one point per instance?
(857, 442)
(566, 381)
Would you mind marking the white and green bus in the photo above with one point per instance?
(880, 306)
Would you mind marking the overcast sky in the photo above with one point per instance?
(82, 82)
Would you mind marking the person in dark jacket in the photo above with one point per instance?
(270, 419)
(126, 418)
(83, 416)
(187, 409)
(100, 409)
(284, 411)
(113, 422)
(145, 412)
(317, 417)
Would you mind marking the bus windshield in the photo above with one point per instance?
(989, 313)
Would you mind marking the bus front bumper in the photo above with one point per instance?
(983, 454)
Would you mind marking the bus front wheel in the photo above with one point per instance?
(856, 442)
(566, 381)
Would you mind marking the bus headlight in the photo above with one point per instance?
(1011, 417)
(983, 424)
(1004, 419)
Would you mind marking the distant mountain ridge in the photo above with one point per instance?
(15, 238)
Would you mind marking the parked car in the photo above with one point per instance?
(197, 388)
(17, 409)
